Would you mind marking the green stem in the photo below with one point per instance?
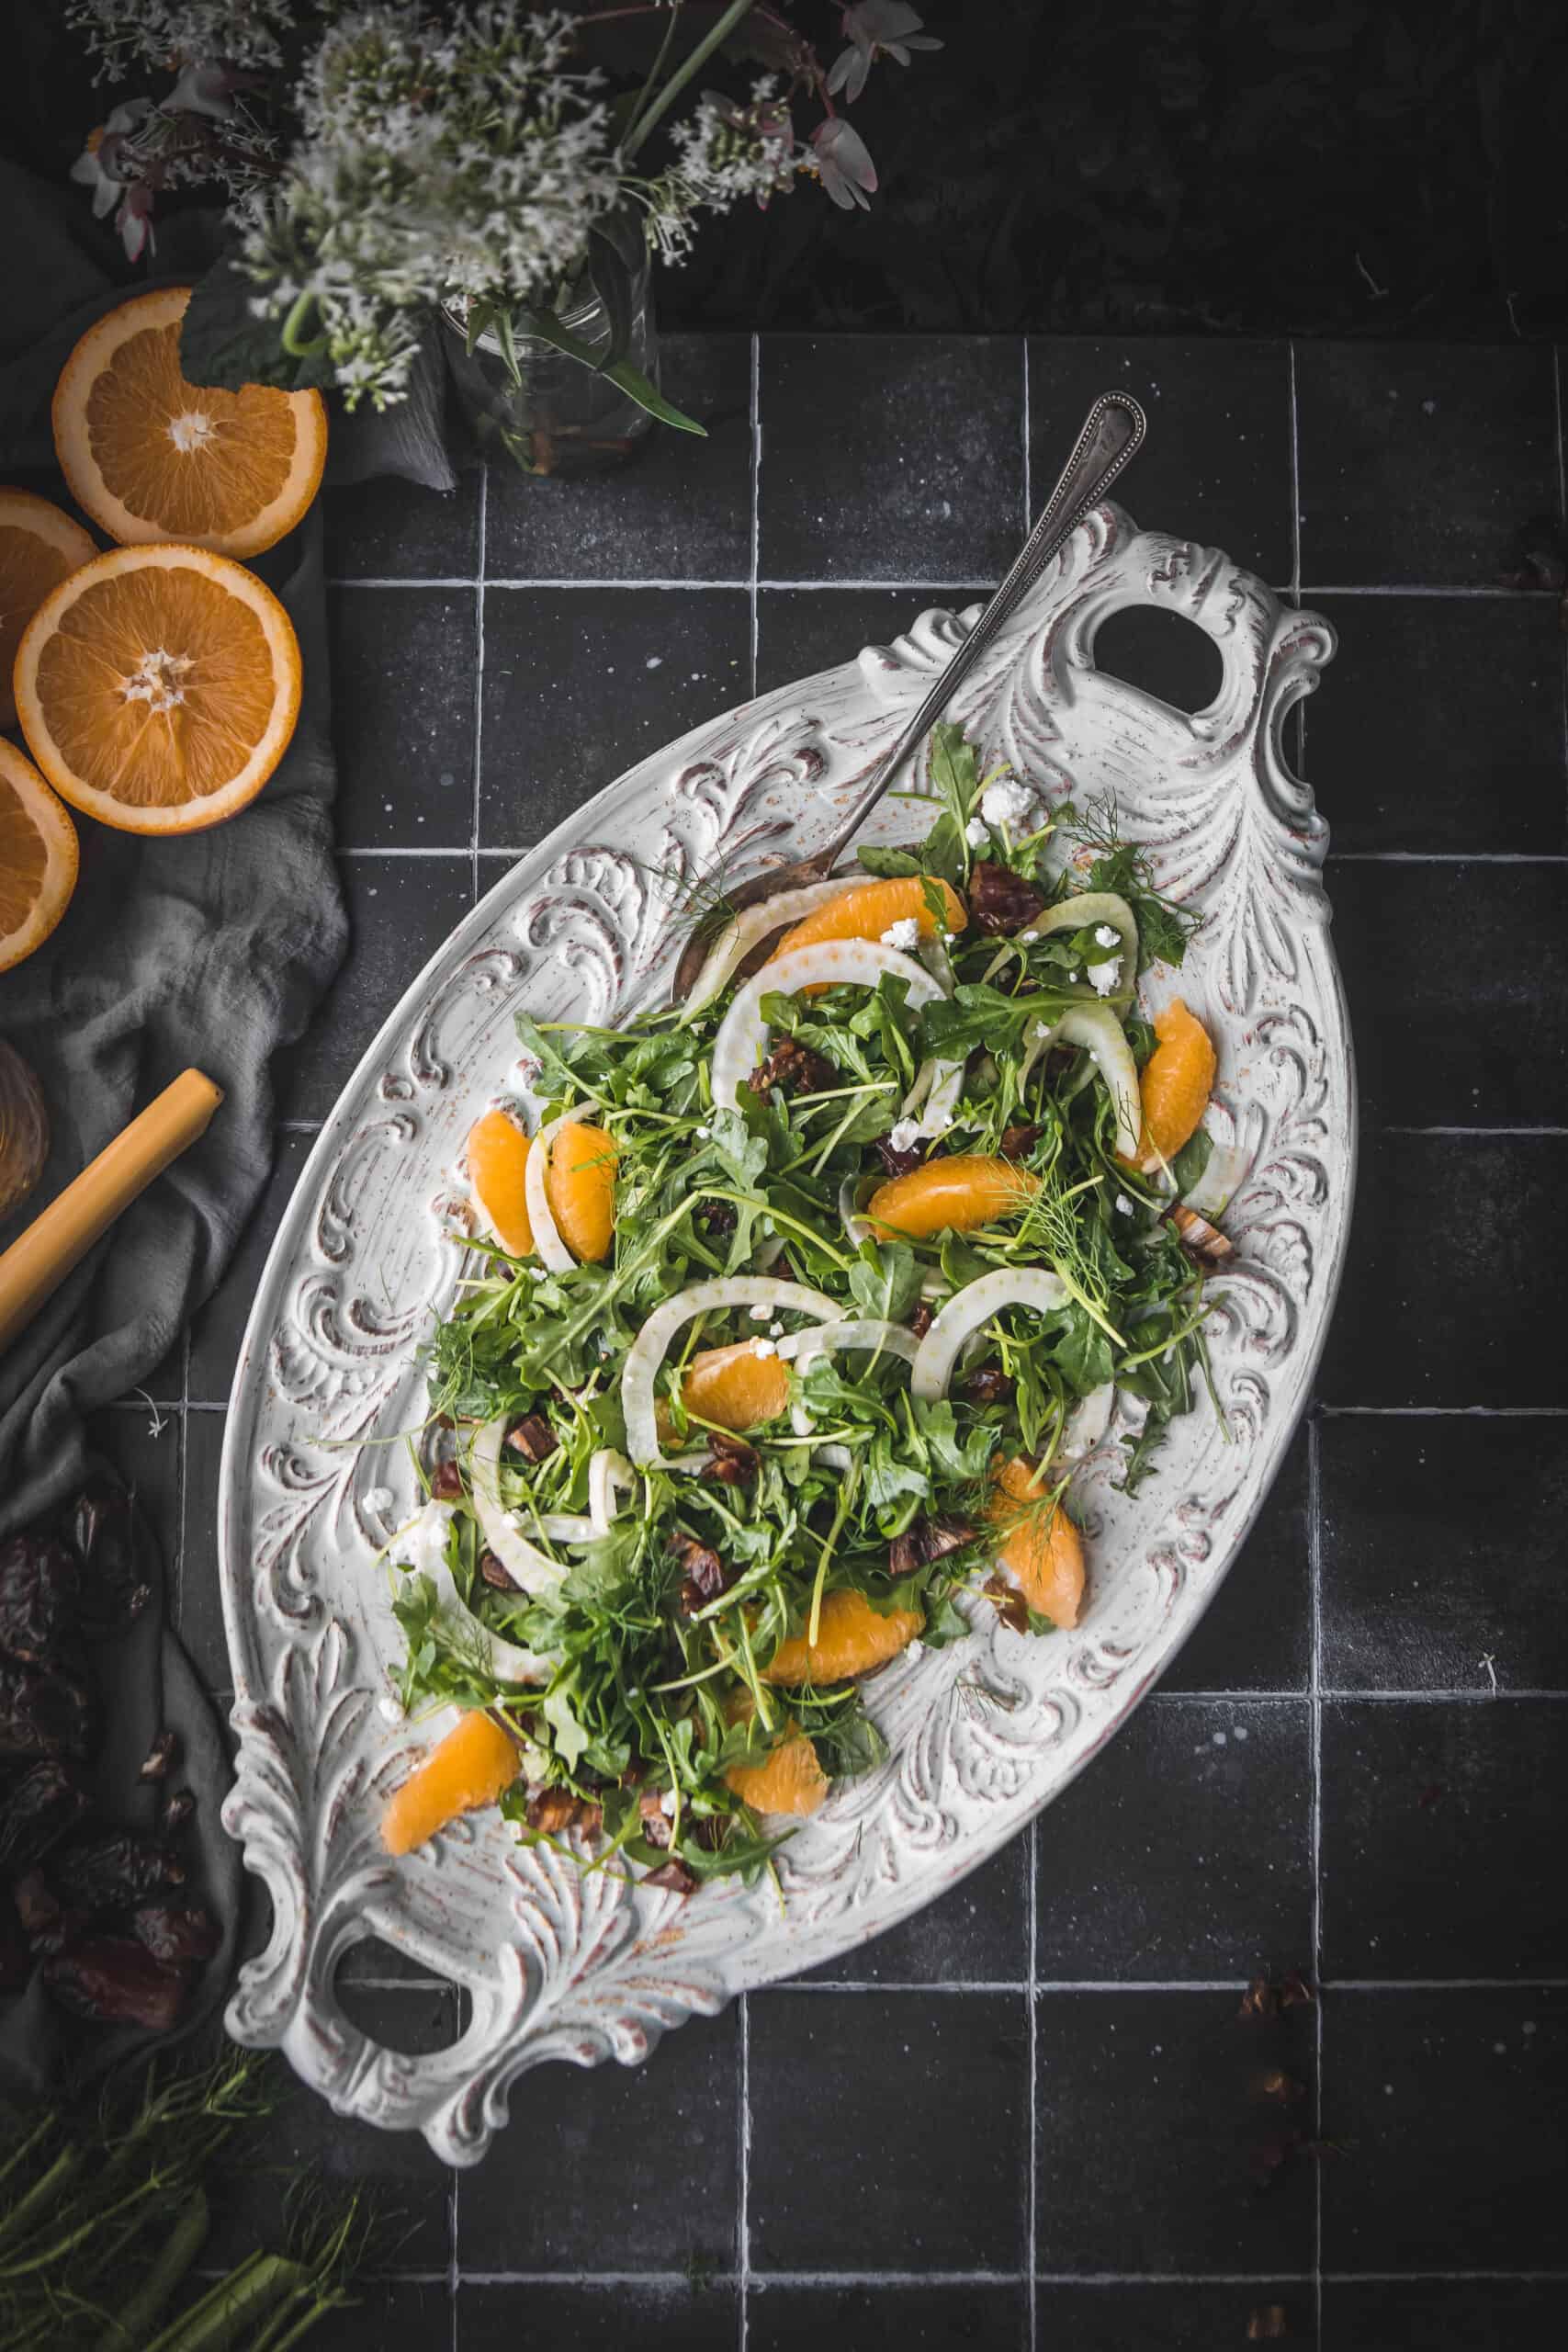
(654, 72)
(41, 2195)
(24, 2148)
(699, 57)
(134, 2321)
(304, 304)
(248, 2294)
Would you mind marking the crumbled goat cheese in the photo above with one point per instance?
(906, 1134)
(764, 1348)
(1104, 975)
(1105, 937)
(904, 934)
(379, 1498)
(388, 1708)
(776, 1330)
(1124, 1205)
(422, 1544)
(1041, 1031)
(1027, 938)
(706, 1133)
(1007, 803)
(976, 832)
(759, 1314)
(666, 1801)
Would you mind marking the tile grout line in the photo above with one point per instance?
(817, 2279)
(1032, 2168)
(1314, 1560)
(1295, 479)
(756, 417)
(1337, 857)
(1028, 520)
(1563, 515)
(743, 2185)
(479, 683)
(182, 1473)
(967, 587)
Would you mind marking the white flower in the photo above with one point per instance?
(1104, 975)
(126, 33)
(843, 165)
(95, 167)
(1006, 802)
(876, 28)
(976, 832)
(904, 934)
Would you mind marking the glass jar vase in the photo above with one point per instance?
(549, 413)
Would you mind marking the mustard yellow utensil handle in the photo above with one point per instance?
(39, 1260)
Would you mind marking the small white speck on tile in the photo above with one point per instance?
(1500, 2049)
(654, 661)
(1429, 408)
(1219, 1739)
(1238, 1731)
(447, 777)
(1529, 2026)
(1388, 2090)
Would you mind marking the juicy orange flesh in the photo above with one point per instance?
(197, 641)
(732, 1388)
(851, 1638)
(789, 1780)
(580, 1185)
(1042, 1549)
(29, 568)
(953, 1194)
(1177, 1080)
(498, 1166)
(23, 860)
(241, 443)
(470, 1766)
(873, 907)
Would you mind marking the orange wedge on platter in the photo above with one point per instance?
(790, 1780)
(497, 1169)
(38, 547)
(580, 1185)
(875, 906)
(1040, 1551)
(153, 459)
(733, 1387)
(158, 687)
(851, 1638)
(471, 1767)
(37, 858)
(950, 1195)
(1176, 1084)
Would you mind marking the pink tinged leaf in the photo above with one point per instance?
(134, 221)
(843, 163)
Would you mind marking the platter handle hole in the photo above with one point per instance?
(399, 2005)
(1161, 653)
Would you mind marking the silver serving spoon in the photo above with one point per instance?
(1111, 436)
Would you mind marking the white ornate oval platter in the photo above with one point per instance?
(582, 1967)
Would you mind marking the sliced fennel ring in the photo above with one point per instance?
(1096, 1028)
(742, 1039)
(651, 1345)
(534, 1570)
(1094, 907)
(503, 1659)
(552, 1250)
(968, 1311)
(753, 924)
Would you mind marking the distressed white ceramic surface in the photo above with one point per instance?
(982, 1735)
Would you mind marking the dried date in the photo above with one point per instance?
(1020, 1141)
(177, 1932)
(533, 1438)
(40, 1591)
(16, 1959)
(674, 1874)
(999, 900)
(116, 1981)
(794, 1070)
(44, 1711)
(40, 1809)
(102, 1530)
(704, 1574)
(989, 1386)
(730, 1460)
(104, 1870)
(925, 1540)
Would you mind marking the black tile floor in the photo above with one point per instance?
(1032, 2116)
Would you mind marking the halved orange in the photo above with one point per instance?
(39, 545)
(788, 1780)
(871, 908)
(580, 1185)
(1176, 1084)
(732, 1387)
(158, 687)
(851, 1638)
(497, 1168)
(152, 457)
(1042, 1551)
(470, 1768)
(951, 1195)
(37, 858)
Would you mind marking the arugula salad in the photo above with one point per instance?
(790, 1327)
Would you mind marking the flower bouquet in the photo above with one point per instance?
(499, 174)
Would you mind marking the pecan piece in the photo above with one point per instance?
(730, 1460)
(923, 1318)
(1199, 1239)
(989, 1386)
(674, 1874)
(552, 1810)
(533, 1438)
(925, 1540)
(1011, 1604)
(496, 1572)
(999, 900)
(1019, 1142)
(705, 1575)
(445, 1482)
(655, 1820)
(794, 1070)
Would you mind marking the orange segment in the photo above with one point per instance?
(954, 1195)
(580, 1185)
(39, 546)
(1175, 1083)
(732, 1388)
(37, 858)
(871, 908)
(789, 1780)
(152, 457)
(1042, 1550)
(158, 687)
(498, 1166)
(470, 1766)
(851, 1638)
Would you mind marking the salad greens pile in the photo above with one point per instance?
(654, 1641)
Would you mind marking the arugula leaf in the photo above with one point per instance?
(888, 865)
(884, 1281)
(1191, 1161)
(975, 1015)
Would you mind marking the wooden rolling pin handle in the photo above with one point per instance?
(39, 1260)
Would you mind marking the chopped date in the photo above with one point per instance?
(552, 1810)
(1009, 1603)
(103, 1868)
(116, 1981)
(900, 1163)
(716, 1219)
(533, 1438)
(705, 1575)
(1020, 1141)
(446, 1481)
(496, 1573)
(989, 1386)
(923, 1318)
(674, 1874)
(103, 1530)
(39, 1588)
(177, 1932)
(999, 900)
(44, 1711)
(928, 1539)
(40, 1809)
(730, 1460)
(655, 1820)
(794, 1069)
(47, 1923)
